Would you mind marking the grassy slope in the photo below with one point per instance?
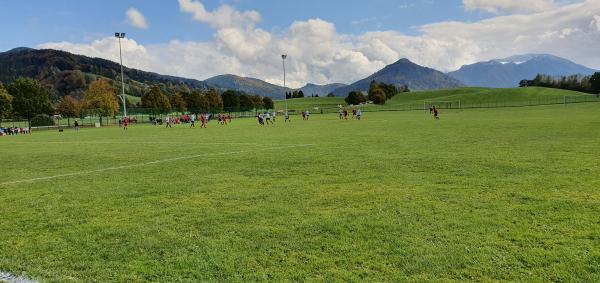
(497, 194)
(483, 95)
(465, 95)
(133, 99)
(310, 103)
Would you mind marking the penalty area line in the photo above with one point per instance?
(7, 277)
(149, 163)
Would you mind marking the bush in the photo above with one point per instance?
(42, 120)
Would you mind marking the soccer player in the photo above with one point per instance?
(341, 114)
(287, 117)
(193, 120)
(346, 114)
(260, 119)
(125, 123)
(168, 121)
(358, 114)
(435, 113)
(268, 118)
(307, 114)
(353, 113)
(76, 126)
(203, 120)
(274, 116)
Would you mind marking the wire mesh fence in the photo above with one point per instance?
(90, 118)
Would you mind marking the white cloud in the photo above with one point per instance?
(499, 6)
(318, 53)
(595, 24)
(223, 17)
(136, 18)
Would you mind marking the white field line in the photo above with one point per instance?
(7, 277)
(149, 163)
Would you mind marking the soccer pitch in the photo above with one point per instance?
(482, 194)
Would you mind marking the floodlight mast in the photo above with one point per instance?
(283, 57)
(120, 35)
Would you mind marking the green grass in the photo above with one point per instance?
(484, 95)
(133, 99)
(308, 103)
(474, 97)
(506, 194)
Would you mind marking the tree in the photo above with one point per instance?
(246, 102)
(29, 98)
(231, 100)
(378, 97)
(68, 107)
(268, 103)
(5, 103)
(595, 83)
(257, 101)
(156, 100)
(178, 102)
(101, 99)
(355, 98)
(197, 102)
(214, 100)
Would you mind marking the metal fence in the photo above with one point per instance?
(141, 115)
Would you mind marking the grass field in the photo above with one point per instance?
(469, 96)
(506, 194)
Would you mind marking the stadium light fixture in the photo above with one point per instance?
(120, 35)
(283, 57)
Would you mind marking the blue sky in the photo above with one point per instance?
(32, 22)
(326, 41)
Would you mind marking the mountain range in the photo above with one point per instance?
(508, 72)
(64, 73)
(404, 72)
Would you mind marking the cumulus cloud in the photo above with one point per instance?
(595, 24)
(318, 53)
(499, 6)
(136, 19)
(224, 17)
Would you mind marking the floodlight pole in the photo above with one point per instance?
(283, 57)
(120, 35)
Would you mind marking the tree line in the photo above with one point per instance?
(27, 98)
(378, 93)
(587, 84)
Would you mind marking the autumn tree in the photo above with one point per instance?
(101, 99)
(214, 100)
(156, 101)
(178, 102)
(257, 101)
(197, 102)
(68, 107)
